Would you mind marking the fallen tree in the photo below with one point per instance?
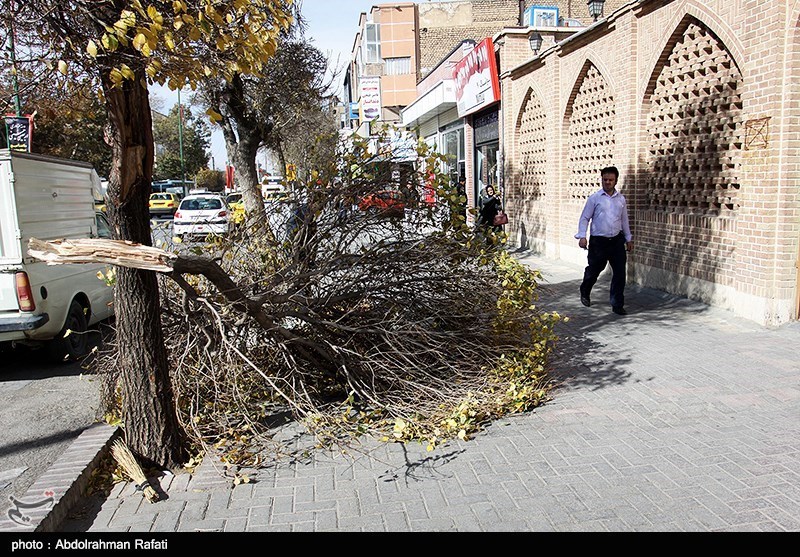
(407, 328)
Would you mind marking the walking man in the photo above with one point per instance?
(609, 241)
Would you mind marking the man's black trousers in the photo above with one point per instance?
(602, 251)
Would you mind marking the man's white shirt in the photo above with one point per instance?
(608, 215)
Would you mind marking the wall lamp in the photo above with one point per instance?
(595, 8)
(535, 40)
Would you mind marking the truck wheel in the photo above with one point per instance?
(75, 345)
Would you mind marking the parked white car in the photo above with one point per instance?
(202, 214)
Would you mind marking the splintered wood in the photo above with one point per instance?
(99, 250)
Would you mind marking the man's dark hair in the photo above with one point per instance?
(610, 170)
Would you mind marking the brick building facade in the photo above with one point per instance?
(698, 104)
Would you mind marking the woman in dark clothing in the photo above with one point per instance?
(489, 208)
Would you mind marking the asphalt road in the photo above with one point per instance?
(43, 408)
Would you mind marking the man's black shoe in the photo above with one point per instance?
(585, 301)
(619, 311)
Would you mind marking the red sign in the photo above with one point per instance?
(476, 79)
(229, 177)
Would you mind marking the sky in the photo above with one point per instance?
(331, 27)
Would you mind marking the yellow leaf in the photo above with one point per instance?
(127, 73)
(154, 16)
(91, 48)
(139, 41)
(62, 67)
(128, 18)
(109, 42)
(462, 434)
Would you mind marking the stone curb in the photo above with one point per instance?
(49, 500)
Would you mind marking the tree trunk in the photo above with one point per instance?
(243, 156)
(281, 160)
(242, 147)
(152, 429)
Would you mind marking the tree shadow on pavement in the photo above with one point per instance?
(596, 348)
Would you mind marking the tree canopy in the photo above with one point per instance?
(122, 46)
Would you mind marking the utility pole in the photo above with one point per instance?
(180, 139)
(17, 104)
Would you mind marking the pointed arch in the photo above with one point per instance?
(531, 141)
(589, 119)
(592, 59)
(697, 14)
(694, 124)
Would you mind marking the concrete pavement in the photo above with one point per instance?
(676, 417)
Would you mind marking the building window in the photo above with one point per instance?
(453, 149)
(397, 66)
(372, 43)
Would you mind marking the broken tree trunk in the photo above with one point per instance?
(98, 250)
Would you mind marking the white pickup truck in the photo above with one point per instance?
(49, 198)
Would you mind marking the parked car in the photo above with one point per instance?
(48, 198)
(202, 214)
(388, 203)
(164, 203)
(236, 205)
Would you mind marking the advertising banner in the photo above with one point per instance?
(19, 131)
(370, 98)
(476, 79)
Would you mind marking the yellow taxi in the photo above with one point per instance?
(236, 205)
(164, 203)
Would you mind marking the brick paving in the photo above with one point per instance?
(676, 417)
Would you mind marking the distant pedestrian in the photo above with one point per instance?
(461, 192)
(610, 239)
(490, 207)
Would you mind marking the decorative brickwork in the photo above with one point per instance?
(591, 134)
(532, 153)
(526, 185)
(695, 128)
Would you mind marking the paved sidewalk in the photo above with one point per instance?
(676, 417)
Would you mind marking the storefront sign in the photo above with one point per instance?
(486, 126)
(476, 79)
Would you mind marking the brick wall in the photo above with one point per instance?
(442, 25)
(695, 103)
(576, 9)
